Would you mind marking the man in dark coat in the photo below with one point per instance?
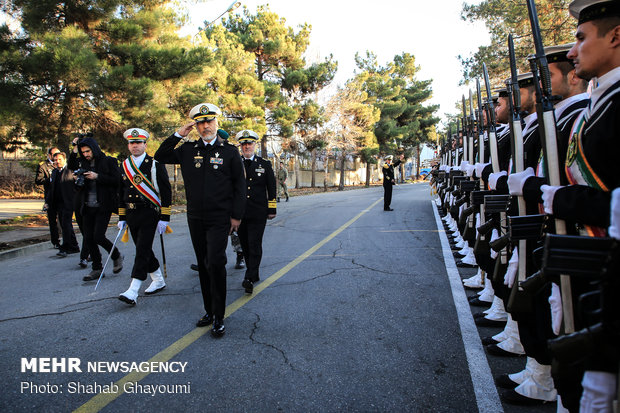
(60, 199)
(44, 172)
(388, 180)
(97, 178)
(260, 206)
(215, 191)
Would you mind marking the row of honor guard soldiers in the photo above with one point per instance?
(538, 213)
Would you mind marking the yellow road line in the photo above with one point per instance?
(101, 400)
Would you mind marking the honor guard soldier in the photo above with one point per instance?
(144, 206)
(388, 180)
(260, 206)
(215, 190)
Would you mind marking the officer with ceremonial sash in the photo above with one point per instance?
(144, 206)
(260, 206)
(215, 190)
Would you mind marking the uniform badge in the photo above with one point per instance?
(260, 171)
(198, 161)
(571, 155)
(137, 179)
(135, 133)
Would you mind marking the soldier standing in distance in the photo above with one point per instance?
(260, 206)
(388, 180)
(44, 173)
(282, 175)
(144, 205)
(215, 190)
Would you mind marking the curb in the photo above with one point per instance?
(23, 251)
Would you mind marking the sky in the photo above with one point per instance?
(432, 31)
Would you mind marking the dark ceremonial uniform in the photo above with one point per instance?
(138, 209)
(60, 198)
(388, 182)
(44, 173)
(592, 160)
(261, 201)
(215, 191)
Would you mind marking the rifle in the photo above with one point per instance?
(548, 136)
(480, 127)
(464, 131)
(472, 122)
(491, 122)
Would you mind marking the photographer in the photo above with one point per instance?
(97, 180)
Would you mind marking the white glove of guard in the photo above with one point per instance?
(443, 167)
(513, 266)
(469, 170)
(494, 236)
(548, 192)
(464, 165)
(479, 168)
(161, 226)
(494, 177)
(555, 301)
(614, 219)
(122, 224)
(517, 180)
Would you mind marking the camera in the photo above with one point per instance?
(81, 137)
(79, 177)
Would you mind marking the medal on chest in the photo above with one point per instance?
(137, 179)
(198, 161)
(260, 171)
(216, 160)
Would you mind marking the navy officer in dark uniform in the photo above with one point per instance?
(260, 206)
(144, 205)
(215, 190)
(388, 180)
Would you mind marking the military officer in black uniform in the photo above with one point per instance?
(144, 205)
(215, 190)
(260, 206)
(388, 180)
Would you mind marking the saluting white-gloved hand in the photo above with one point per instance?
(517, 180)
(494, 177)
(464, 165)
(122, 224)
(548, 192)
(161, 226)
(614, 219)
(479, 168)
(469, 170)
(555, 302)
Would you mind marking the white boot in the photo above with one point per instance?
(157, 284)
(539, 385)
(512, 343)
(131, 295)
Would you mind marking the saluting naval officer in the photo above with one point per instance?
(388, 180)
(144, 205)
(215, 190)
(260, 206)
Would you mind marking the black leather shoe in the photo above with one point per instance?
(495, 350)
(83, 263)
(240, 264)
(489, 340)
(512, 397)
(248, 285)
(505, 382)
(61, 254)
(206, 320)
(388, 209)
(485, 322)
(218, 328)
(93, 275)
(462, 264)
(467, 287)
(194, 267)
(477, 302)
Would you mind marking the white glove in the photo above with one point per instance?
(161, 226)
(614, 219)
(494, 177)
(513, 266)
(122, 224)
(517, 180)
(443, 167)
(548, 192)
(469, 170)
(464, 165)
(479, 168)
(555, 301)
(494, 236)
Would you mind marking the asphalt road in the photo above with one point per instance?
(11, 208)
(356, 311)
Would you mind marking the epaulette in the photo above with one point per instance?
(386, 165)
